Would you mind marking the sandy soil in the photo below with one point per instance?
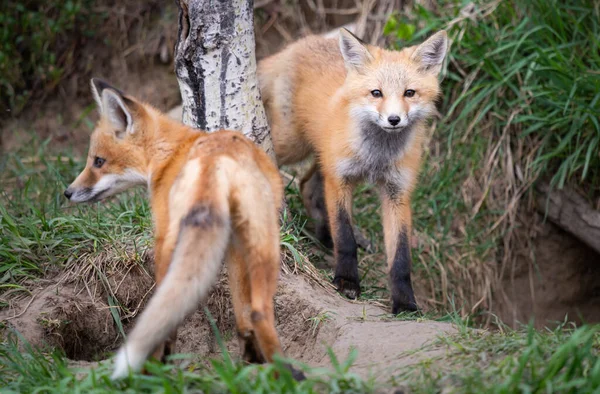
(66, 316)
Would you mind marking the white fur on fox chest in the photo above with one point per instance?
(376, 160)
(356, 171)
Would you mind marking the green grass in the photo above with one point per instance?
(37, 45)
(521, 102)
(34, 370)
(532, 67)
(562, 360)
(41, 232)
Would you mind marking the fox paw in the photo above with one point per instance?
(296, 373)
(347, 287)
(410, 306)
(249, 347)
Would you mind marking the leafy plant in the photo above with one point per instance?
(37, 41)
(521, 102)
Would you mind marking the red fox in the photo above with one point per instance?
(214, 197)
(362, 111)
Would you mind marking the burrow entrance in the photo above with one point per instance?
(80, 321)
(557, 278)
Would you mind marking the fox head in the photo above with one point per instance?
(116, 159)
(392, 89)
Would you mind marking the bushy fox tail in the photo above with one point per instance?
(197, 258)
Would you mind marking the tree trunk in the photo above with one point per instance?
(216, 68)
(571, 212)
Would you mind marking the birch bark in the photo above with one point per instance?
(215, 65)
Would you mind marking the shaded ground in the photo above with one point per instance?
(556, 278)
(562, 279)
(73, 313)
(553, 275)
(309, 319)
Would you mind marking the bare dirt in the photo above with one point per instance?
(562, 277)
(309, 319)
(75, 316)
(556, 279)
(68, 126)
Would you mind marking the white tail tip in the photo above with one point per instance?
(125, 361)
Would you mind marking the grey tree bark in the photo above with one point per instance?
(570, 211)
(215, 65)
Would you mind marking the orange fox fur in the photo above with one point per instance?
(214, 196)
(362, 112)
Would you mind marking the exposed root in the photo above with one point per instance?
(23, 311)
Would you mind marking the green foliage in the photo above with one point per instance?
(521, 101)
(40, 230)
(34, 370)
(563, 360)
(402, 31)
(529, 66)
(37, 40)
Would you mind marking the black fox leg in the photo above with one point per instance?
(339, 203)
(397, 226)
(313, 196)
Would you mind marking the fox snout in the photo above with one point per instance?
(83, 190)
(81, 194)
(394, 120)
(78, 195)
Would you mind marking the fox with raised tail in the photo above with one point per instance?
(362, 111)
(214, 197)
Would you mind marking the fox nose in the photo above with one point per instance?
(394, 120)
(68, 194)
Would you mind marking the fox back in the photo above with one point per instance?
(214, 197)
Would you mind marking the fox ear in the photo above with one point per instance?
(354, 51)
(114, 108)
(432, 52)
(98, 87)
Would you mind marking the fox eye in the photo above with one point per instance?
(409, 93)
(98, 162)
(376, 93)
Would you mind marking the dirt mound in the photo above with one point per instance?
(384, 344)
(57, 316)
(309, 319)
(77, 317)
